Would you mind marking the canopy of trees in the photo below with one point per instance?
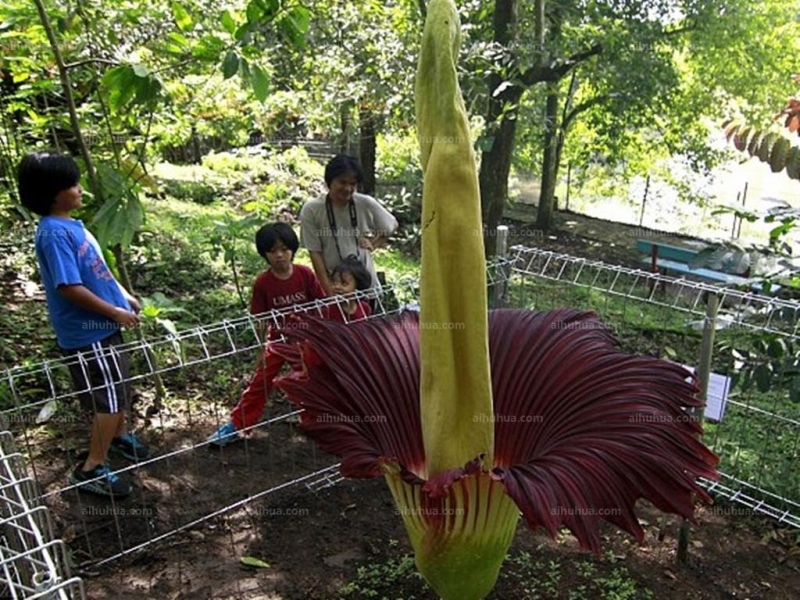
(597, 84)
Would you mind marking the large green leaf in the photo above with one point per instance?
(230, 65)
(293, 25)
(209, 48)
(122, 213)
(122, 84)
(228, 22)
(176, 43)
(260, 82)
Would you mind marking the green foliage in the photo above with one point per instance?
(122, 214)
(407, 209)
(226, 238)
(201, 192)
(381, 580)
(398, 160)
(542, 581)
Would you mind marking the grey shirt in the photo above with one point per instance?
(316, 234)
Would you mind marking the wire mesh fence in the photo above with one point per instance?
(186, 485)
(752, 419)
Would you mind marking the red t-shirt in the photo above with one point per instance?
(270, 293)
(336, 313)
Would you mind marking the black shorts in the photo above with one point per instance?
(100, 373)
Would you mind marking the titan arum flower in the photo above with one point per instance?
(565, 428)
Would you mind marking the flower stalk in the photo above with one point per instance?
(455, 382)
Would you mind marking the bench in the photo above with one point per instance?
(667, 258)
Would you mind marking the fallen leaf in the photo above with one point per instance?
(254, 563)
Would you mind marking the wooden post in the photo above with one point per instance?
(569, 179)
(500, 287)
(703, 375)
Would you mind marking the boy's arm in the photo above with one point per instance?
(83, 297)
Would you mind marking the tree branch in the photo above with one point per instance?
(539, 73)
(89, 61)
(582, 107)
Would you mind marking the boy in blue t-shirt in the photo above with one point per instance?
(87, 308)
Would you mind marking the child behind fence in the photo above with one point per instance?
(281, 286)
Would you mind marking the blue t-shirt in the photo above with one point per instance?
(68, 254)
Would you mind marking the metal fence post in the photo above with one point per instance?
(501, 250)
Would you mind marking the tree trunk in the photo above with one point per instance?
(493, 177)
(367, 148)
(66, 88)
(345, 126)
(496, 161)
(552, 130)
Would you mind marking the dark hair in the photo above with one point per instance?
(356, 268)
(341, 164)
(41, 176)
(268, 235)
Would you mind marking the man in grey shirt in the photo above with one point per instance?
(343, 222)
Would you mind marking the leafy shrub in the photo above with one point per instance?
(201, 192)
(398, 160)
(407, 209)
(292, 178)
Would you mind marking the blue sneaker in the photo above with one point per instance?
(224, 435)
(130, 447)
(101, 481)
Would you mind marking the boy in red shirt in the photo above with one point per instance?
(282, 285)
